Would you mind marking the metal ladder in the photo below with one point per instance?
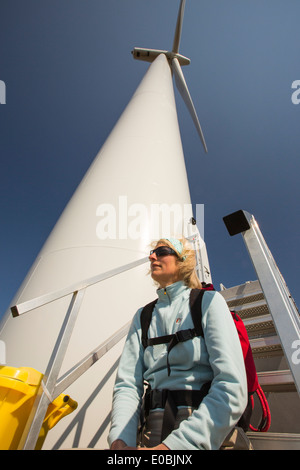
(273, 324)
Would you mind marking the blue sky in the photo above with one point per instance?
(69, 74)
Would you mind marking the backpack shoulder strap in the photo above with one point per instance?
(196, 296)
(146, 316)
(196, 312)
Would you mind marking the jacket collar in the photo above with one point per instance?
(169, 293)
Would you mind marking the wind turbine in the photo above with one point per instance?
(176, 60)
(117, 195)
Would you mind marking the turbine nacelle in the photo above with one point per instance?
(176, 60)
(149, 55)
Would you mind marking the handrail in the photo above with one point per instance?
(25, 307)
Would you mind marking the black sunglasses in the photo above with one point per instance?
(163, 251)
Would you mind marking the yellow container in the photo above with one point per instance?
(18, 389)
(60, 407)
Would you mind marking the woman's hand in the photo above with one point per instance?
(121, 445)
(159, 447)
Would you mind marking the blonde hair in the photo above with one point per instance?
(186, 262)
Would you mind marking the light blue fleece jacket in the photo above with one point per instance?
(217, 357)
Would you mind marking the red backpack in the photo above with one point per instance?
(252, 379)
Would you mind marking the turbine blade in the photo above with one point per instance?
(183, 89)
(177, 36)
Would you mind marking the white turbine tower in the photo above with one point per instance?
(108, 223)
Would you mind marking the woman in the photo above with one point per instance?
(214, 358)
